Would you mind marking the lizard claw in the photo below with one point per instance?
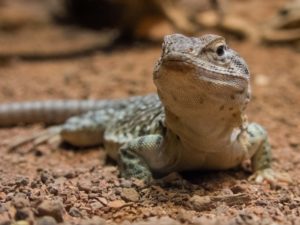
(36, 140)
(270, 176)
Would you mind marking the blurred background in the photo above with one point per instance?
(30, 27)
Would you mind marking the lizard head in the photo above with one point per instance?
(193, 71)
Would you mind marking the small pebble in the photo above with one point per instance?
(51, 208)
(116, 204)
(23, 214)
(84, 185)
(46, 220)
(239, 188)
(22, 181)
(130, 194)
(96, 205)
(20, 201)
(75, 212)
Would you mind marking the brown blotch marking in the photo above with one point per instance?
(232, 97)
(241, 91)
(231, 108)
(221, 107)
(201, 100)
(234, 114)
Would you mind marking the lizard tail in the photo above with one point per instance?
(48, 112)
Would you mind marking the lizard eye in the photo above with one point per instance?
(221, 50)
(218, 53)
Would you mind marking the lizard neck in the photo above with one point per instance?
(205, 130)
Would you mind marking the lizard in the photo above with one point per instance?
(195, 121)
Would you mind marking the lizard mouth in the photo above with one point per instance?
(204, 70)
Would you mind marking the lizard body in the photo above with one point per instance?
(195, 121)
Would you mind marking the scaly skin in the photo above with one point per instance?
(196, 121)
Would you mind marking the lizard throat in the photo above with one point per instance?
(200, 131)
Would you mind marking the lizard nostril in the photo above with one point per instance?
(283, 12)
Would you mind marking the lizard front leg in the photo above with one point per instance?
(261, 160)
(139, 157)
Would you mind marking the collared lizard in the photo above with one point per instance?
(195, 121)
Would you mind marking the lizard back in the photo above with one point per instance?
(143, 115)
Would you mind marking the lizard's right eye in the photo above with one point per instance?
(221, 50)
(217, 53)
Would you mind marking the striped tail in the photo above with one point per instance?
(48, 112)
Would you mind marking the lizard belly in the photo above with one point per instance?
(225, 158)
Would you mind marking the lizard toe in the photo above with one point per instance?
(270, 176)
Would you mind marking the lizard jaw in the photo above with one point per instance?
(201, 71)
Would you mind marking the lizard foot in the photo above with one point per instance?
(132, 166)
(38, 139)
(269, 176)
